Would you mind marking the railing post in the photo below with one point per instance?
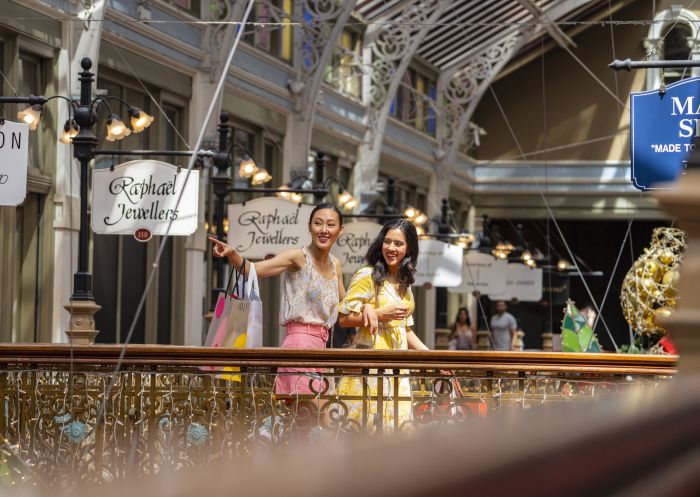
(547, 341)
(483, 339)
(365, 401)
(379, 415)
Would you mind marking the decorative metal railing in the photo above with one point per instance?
(70, 415)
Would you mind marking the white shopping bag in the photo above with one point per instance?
(246, 323)
(254, 337)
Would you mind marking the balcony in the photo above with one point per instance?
(68, 413)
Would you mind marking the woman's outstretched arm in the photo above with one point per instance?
(289, 260)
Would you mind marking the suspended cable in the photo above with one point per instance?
(287, 24)
(150, 95)
(164, 239)
(551, 215)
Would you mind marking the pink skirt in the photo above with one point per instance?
(301, 336)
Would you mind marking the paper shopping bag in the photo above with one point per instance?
(251, 301)
(219, 326)
(254, 337)
(222, 310)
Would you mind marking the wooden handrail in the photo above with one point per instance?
(179, 356)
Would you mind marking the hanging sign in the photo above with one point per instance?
(268, 225)
(439, 264)
(14, 153)
(351, 246)
(522, 283)
(662, 131)
(482, 273)
(142, 196)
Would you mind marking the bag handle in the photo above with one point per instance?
(252, 286)
(230, 279)
(238, 277)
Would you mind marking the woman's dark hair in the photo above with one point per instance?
(326, 205)
(469, 322)
(408, 264)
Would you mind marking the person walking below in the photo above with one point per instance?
(503, 327)
(463, 336)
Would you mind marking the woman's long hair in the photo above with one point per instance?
(375, 258)
(468, 322)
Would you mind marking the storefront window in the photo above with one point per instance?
(275, 40)
(344, 73)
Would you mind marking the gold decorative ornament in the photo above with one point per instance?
(650, 289)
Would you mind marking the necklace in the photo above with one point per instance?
(322, 267)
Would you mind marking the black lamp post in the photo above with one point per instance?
(82, 306)
(222, 183)
(84, 144)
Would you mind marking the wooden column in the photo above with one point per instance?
(683, 203)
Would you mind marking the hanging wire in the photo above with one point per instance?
(551, 215)
(614, 56)
(603, 23)
(166, 236)
(690, 6)
(150, 95)
(545, 132)
(8, 82)
(614, 270)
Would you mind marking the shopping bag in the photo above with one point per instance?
(219, 326)
(254, 337)
(222, 311)
(249, 305)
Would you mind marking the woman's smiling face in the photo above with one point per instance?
(325, 228)
(394, 248)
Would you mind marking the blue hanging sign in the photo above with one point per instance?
(663, 129)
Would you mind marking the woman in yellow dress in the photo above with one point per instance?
(385, 283)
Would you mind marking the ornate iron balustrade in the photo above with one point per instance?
(169, 407)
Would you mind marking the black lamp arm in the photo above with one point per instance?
(237, 146)
(99, 101)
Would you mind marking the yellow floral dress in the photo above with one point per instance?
(390, 336)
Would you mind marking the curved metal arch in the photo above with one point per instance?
(389, 49)
(322, 24)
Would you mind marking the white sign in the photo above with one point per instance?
(522, 283)
(143, 194)
(439, 264)
(482, 273)
(353, 243)
(14, 151)
(267, 226)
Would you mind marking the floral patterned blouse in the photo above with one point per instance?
(308, 297)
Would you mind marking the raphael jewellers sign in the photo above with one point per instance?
(353, 243)
(141, 197)
(268, 226)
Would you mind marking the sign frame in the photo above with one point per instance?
(180, 221)
(644, 173)
(13, 163)
(270, 229)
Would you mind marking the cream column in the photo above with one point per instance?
(82, 40)
(203, 86)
